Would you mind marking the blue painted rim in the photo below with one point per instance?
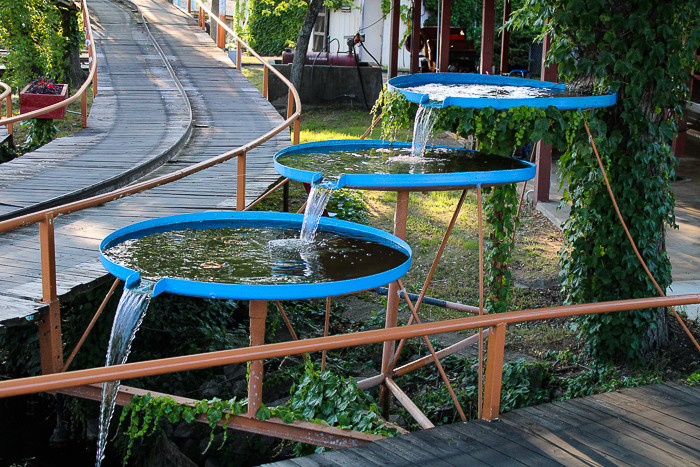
(562, 103)
(416, 182)
(250, 291)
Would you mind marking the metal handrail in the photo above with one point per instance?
(68, 379)
(7, 94)
(91, 78)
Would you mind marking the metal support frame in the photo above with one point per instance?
(544, 151)
(394, 38)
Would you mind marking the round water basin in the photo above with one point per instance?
(253, 256)
(380, 165)
(500, 92)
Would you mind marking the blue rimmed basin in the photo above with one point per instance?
(563, 102)
(255, 291)
(313, 154)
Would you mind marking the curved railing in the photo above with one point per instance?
(7, 94)
(82, 92)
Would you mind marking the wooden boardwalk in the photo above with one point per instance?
(656, 425)
(228, 112)
(136, 122)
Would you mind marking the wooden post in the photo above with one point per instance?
(239, 59)
(240, 182)
(50, 325)
(415, 37)
(394, 38)
(544, 151)
(83, 108)
(257, 310)
(444, 34)
(392, 302)
(488, 18)
(505, 37)
(266, 77)
(494, 372)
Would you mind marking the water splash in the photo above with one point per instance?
(426, 117)
(315, 205)
(130, 312)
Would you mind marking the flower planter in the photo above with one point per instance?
(29, 102)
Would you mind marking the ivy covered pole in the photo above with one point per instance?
(644, 50)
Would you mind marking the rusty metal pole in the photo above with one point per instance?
(505, 38)
(444, 35)
(83, 108)
(494, 372)
(297, 130)
(488, 21)
(392, 303)
(415, 36)
(239, 52)
(290, 104)
(240, 182)
(9, 111)
(257, 309)
(394, 38)
(266, 77)
(50, 325)
(326, 328)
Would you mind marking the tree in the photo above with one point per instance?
(305, 35)
(643, 50)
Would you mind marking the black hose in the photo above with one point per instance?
(359, 75)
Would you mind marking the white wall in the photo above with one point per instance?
(368, 20)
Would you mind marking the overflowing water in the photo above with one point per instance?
(426, 117)
(130, 312)
(438, 92)
(315, 206)
(253, 255)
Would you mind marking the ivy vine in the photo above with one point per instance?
(324, 398)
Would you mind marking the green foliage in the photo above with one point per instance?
(40, 131)
(330, 399)
(603, 378)
(274, 24)
(144, 413)
(642, 50)
(32, 33)
(348, 205)
(694, 379)
(525, 384)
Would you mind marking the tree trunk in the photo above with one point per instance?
(74, 73)
(303, 42)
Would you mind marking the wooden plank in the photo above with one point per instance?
(488, 451)
(469, 453)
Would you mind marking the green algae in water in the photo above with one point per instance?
(396, 161)
(252, 255)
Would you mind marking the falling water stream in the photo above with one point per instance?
(130, 312)
(426, 117)
(318, 199)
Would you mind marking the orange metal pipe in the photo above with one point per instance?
(408, 404)
(326, 328)
(258, 312)
(239, 55)
(428, 359)
(83, 109)
(240, 182)
(266, 85)
(225, 357)
(443, 375)
(91, 325)
(221, 33)
(480, 358)
(494, 373)
(50, 325)
(7, 95)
